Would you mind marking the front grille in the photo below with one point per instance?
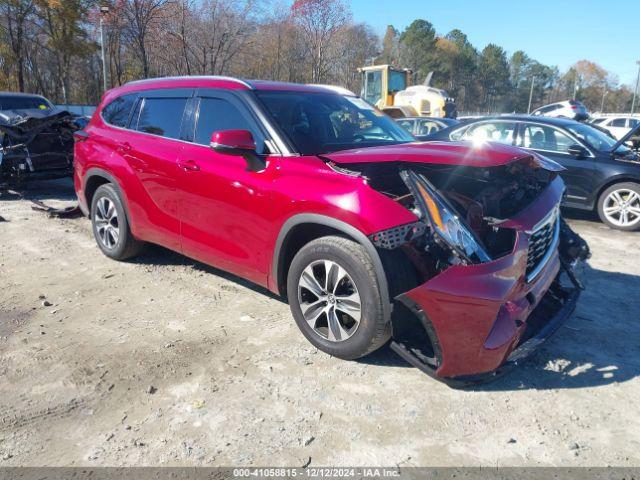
(542, 242)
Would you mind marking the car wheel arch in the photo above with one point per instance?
(302, 228)
(609, 183)
(96, 177)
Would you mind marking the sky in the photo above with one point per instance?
(554, 32)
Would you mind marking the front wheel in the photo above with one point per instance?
(335, 298)
(619, 206)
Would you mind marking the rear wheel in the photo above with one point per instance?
(335, 298)
(110, 225)
(619, 206)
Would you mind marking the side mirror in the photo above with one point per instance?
(578, 151)
(239, 143)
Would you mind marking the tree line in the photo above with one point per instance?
(52, 47)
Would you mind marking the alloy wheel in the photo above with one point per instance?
(329, 300)
(622, 207)
(106, 221)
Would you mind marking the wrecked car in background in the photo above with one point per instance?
(457, 253)
(36, 139)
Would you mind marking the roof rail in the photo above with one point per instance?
(196, 77)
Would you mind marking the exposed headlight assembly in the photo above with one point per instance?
(443, 219)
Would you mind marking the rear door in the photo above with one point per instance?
(554, 143)
(225, 210)
(151, 150)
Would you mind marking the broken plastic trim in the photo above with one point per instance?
(397, 236)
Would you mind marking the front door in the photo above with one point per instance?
(554, 144)
(225, 209)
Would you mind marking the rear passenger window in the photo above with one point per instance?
(619, 122)
(216, 114)
(500, 132)
(117, 112)
(162, 116)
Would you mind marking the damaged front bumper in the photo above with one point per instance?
(477, 321)
(511, 340)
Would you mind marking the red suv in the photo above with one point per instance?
(454, 251)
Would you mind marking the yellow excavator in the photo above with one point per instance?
(388, 88)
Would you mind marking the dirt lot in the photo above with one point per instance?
(167, 361)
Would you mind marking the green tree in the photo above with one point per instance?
(389, 53)
(458, 63)
(493, 76)
(418, 48)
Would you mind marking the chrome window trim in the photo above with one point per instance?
(567, 133)
(516, 137)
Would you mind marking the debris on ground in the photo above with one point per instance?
(66, 212)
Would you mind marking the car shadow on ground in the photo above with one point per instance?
(599, 344)
(156, 255)
(61, 189)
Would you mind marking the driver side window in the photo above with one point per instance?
(217, 114)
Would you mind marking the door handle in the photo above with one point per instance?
(189, 166)
(124, 147)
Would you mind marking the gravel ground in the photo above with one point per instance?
(165, 361)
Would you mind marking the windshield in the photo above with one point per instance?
(597, 139)
(319, 123)
(19, 102)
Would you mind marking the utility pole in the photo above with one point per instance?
(604, 94)
(635, 92)
(533, 79)
(103, 11)
(575, 86)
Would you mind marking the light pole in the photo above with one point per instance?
(533, 79)
(635, 91)
(604, 94)
(104, 9)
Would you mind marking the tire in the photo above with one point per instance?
(111, 226)
(357, 334)
(619, 206)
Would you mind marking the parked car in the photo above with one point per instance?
(601, 173)
(572, 109)
(620, 125)
(36, 139)
(422, 126)
(320, 198)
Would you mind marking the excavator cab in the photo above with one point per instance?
(380, 83)
(388, 89)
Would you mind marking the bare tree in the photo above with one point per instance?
(15, 14)
(142, 17)
(320, 22)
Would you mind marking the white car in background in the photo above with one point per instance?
(619, 125)
(573, 109)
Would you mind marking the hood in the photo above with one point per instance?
(438, 153)
(11, 118)
(634, 131)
